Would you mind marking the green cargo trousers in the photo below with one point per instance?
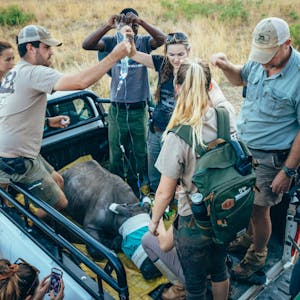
(127, 130)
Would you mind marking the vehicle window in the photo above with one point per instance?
(78, 110)
(83, 109)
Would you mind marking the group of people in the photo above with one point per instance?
(269, 124)
(186, 95)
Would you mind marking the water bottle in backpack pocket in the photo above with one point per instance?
(198, 207)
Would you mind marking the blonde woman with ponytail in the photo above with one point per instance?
(192, 98)
(198, 255)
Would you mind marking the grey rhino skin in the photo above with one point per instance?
(90, 190)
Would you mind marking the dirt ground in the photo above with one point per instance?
(233, 95)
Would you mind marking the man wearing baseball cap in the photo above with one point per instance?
(269, 123)
(23, 101)
(36, 33)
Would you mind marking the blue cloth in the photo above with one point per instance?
(136, 85)
(164, 108)
(270, 114)
(133, 240)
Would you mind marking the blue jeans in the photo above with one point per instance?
(154, 145)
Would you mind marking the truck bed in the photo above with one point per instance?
(87, 134)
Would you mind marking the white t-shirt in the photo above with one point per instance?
(23, 101)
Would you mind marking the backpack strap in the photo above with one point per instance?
(185, 133)
(223, 127)
(223, 123)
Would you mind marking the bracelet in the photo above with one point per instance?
(289, 172)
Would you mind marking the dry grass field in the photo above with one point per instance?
(212, 26)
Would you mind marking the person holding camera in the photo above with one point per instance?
(127, 117)
(20, 281)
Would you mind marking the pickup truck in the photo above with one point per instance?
(88, 134)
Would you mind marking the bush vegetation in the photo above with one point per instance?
(13, 15)
(212, 25)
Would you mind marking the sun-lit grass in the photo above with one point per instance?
(212, 25)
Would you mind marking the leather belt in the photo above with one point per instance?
(286, 151)
(156, 129)
(132, 106)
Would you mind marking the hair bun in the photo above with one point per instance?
(13, 269)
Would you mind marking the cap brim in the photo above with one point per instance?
(51, 42)
(262, 55)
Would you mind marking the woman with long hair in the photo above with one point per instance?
(176, 49)
(198, 255)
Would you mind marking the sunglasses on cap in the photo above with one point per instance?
(21, 261)
(176, 37)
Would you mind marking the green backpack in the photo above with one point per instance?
(225, 177)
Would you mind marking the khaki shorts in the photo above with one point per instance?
(37, 171)
(269, 164)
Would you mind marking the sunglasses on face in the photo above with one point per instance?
(21, 261)
(176, 37)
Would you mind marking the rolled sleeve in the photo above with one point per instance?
(170, 162)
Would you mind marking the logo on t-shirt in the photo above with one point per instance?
(7, 85)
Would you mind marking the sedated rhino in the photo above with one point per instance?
(109, 211)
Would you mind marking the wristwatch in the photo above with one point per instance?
(289, 172)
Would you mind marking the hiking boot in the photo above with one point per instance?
(251, 263)
(174, 292)
(240, 244)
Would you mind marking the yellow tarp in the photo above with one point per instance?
(137, 285)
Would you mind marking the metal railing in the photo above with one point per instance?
(113, 265)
